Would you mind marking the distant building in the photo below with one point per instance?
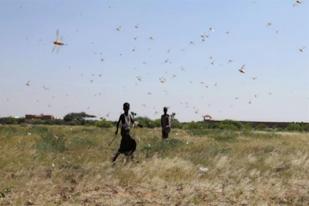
(39, 117)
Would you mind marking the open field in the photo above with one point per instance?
(65, 165)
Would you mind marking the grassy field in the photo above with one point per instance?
(65, 165)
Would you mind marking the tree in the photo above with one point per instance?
(77, 118)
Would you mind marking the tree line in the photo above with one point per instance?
(85, 119)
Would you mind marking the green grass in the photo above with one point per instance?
(160, 147)
(50, 143)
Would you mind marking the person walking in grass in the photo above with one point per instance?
(165, 124)
(127, 144)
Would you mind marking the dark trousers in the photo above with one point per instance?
(165, 133)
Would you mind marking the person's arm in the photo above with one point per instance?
(161, 121)
(168, 121)
(118, 125)
(132, 120)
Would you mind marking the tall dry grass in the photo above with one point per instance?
(57, 165)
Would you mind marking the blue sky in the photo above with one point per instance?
(78, 80)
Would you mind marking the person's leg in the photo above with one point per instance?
(115, 157)
(130, 156)
(121, 147)
(163, 134)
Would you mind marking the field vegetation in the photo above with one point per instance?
(71, 165)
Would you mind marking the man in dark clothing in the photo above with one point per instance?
(128, 144)
(165, 124)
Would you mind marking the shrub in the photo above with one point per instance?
(295, 127)
(175, 123)
(11, 120)
(146, 122)
(246, 126)
(50, 143)
(103, 123)
(229, 124)
(260, 126)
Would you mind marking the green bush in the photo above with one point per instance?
(11, 120)
(146, 122)
(48, 122)
(103, 123)
(261, 126)
(149, 123)
(246, 126)
(230, 125)
(50, 143)
(175, 123)
(295, 127)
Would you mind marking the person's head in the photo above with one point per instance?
(165, 110)
(126, 107)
